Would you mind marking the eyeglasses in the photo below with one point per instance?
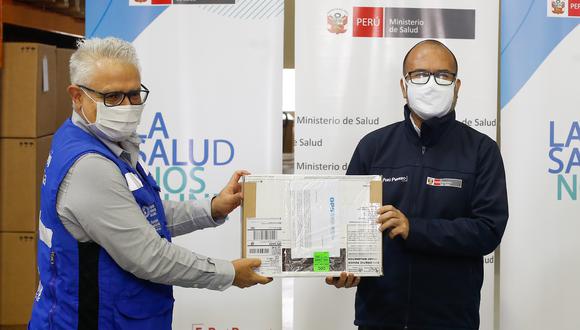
(113, 99)
(421, 77)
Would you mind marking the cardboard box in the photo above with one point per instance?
(18, 277)
(63, 99)
(28, 90)
(305, 225)
(22, 163)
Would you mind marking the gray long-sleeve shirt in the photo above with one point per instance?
(95, 204)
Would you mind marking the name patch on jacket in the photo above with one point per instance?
(396, 179)
(444, 182)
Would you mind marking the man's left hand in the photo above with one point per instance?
(229, 198)
(393, 219)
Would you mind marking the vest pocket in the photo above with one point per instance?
(146, 309)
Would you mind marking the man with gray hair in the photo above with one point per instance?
(105, 255)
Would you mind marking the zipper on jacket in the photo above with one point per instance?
(51, 287)
(410, 285)
(409, 295)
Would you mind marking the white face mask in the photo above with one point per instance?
(430, 100)
(115, 123)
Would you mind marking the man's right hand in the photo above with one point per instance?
(245, 274)
(344, 281)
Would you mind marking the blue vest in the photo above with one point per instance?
(81, 286)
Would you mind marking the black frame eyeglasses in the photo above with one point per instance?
(113, 99)
(421, 77)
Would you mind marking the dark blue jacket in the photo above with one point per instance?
(450, 183)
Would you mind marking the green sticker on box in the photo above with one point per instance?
(321, 261)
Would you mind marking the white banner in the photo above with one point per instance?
(215, 75)
(540, 138)
(349, 57)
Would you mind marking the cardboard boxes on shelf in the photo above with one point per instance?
(28, 90)
(63, 100)
(18, 278)
(30, 112)
(22, 163)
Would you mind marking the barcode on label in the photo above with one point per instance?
(265, 234)
(260, 251)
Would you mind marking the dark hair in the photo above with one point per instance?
(433, 42)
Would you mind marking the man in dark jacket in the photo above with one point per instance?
(444, 205)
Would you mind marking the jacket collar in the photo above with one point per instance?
(431, 130)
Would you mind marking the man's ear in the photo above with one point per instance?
(457, 87)
(403, 88)
(76, 96)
